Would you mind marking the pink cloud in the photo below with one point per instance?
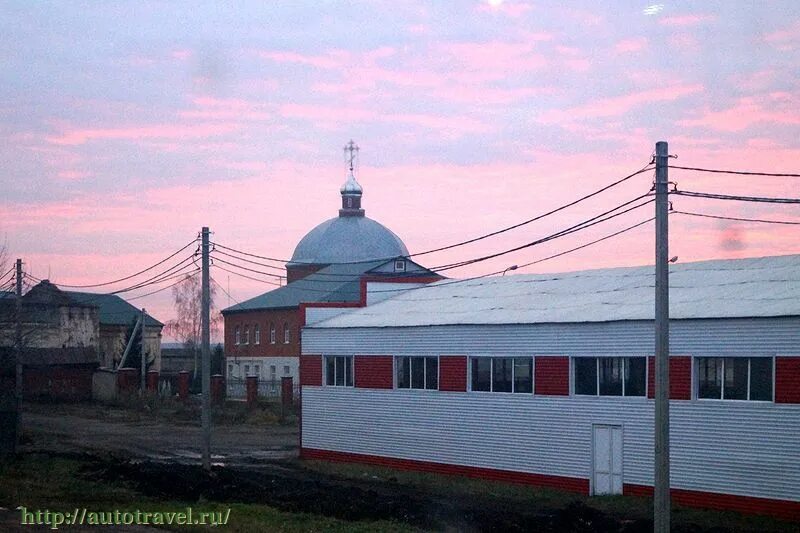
(683, 21)
(628, 46)
(133, 133)
(330, 60)
(73, 175)
(746, 113)
(508, 8)
(786, 35)
(181, 54)
(619, 105)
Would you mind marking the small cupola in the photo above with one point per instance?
(351, 190)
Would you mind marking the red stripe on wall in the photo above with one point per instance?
(786, 509)
(453, 373)
(373, 371)
(680, 377)
(571, 484)
(787, 380)
(311, 370)
(551, 375)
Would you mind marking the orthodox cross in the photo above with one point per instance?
(350, 154)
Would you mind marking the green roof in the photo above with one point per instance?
(113, 310)
(334, 283)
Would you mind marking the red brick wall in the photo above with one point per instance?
(59, 382)
(453, 373)
(263, 319)
(680, 377)
(551, 375)
(373, 371)
(311, 370)
(787, 380)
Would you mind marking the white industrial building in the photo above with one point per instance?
(548, 379)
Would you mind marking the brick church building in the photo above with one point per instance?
(330, 271)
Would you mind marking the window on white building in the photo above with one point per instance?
(417, 372)
(286, 333)
(339, 370)
(286, 370)
(502, 374)
(256, 334)
(238, 336)
(246, 370)
(610, 376)
(272, 333)
(272, 372)
(230, 370)
(734, 378)
(257, 370)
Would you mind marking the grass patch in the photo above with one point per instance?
(624, 507)
(39, 481)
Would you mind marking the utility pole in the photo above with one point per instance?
(205, 317)
(18, 352)
(661, 498)
(142, 383)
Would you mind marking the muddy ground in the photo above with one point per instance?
(99, 430)
(256, 463)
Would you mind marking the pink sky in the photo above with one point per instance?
(127, 127)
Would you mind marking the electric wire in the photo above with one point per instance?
(739, 219)
(716, 196)
(127, 277)
(644, 169)
(186, 276)
(738, 172)
(597, 219)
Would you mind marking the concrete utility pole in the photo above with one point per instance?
(661, 499)
(18, 351)
(205, 318)
(143, 384)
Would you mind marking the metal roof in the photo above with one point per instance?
(754, 287)
(113, 310)
(334, 283)
(343, 239)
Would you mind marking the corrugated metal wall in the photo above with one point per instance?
(726, 447)
(762, 336)
(743, 448)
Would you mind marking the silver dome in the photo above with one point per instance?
(346, 239)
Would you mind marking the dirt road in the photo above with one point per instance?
(103, 430)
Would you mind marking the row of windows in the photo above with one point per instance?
(239, 338)
(256, 370)
(721, 378)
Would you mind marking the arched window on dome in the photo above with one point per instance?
(286, 333)
(272, 332)
(238, 336)
(349, 202)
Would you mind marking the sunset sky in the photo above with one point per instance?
(126, 126)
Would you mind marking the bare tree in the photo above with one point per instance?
(186, 327)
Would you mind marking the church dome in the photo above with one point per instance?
(345, 239)
(349, 237)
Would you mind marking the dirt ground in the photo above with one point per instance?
(103, 430)
(256, 463)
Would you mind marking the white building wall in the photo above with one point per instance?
(741, 448)
(378, 291)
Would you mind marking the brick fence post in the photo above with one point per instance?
(152, 381)
(183, 385)
(252, 390)
(287, 391)
(217, 389)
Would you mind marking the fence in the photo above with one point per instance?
(236, 388)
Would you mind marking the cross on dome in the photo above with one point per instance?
(351, 191)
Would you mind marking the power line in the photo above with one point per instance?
(247, 268)
(738, 172)
(248, 277)
(739, 219)
(716, 196)
(187, 276)
(601, 239)
(646, 168)
(223, 290)
(597, 219)
(127, 277)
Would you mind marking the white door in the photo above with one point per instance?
(607, 461)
